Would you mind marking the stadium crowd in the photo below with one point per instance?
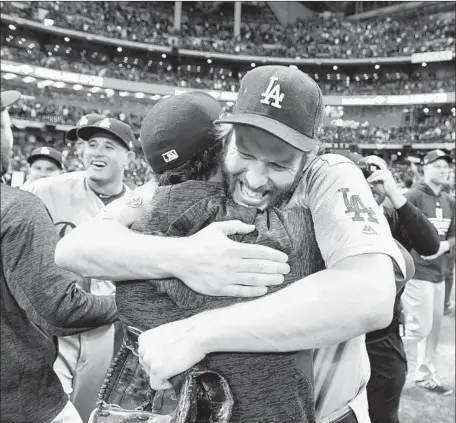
(205, 77)
(323, 36)
(433, 127)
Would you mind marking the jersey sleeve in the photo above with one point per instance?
(347, 219)
(129, 208)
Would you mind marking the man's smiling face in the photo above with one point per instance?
(260, 170)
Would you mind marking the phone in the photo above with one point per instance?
(367, 168)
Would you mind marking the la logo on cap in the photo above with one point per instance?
(273, 93)
(105, 123)
(45, 150)
(83, 121)
(170, 155)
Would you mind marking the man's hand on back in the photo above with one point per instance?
(217, 266)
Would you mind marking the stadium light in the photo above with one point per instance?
(426, 110)
(209, 61)
(252, 64)
(335, 67)
(163, 56)
(12, 27)
(48, 22)
(123, 93)
(109, 92)
(8, 76)
(67, 39)
(439, 110)
(377, 67)
(453, 110)
(29, 79)
(424, 64)
(139, 95)
(119, 49)
(95, 89)
(77, 87)
(89, 94)
(45, 83)
(59, 84)
(291, 66)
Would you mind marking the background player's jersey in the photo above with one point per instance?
(348, 222)
(70, 202)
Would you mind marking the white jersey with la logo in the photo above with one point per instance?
(352, 223)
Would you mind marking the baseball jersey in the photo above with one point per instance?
(70, 202)
(347, 222)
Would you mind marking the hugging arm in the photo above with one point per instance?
(208, 262)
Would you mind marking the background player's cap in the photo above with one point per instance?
(435, 155)
(86, 120)
(9, 97)
(177, 128)
(46, 153)
(282, 101)
(121, 131)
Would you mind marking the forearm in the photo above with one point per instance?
(422, 234)
(63, 308)
(318, 311)
(106, 249)
(397, 199)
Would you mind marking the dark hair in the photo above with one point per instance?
(199, 168)
(408, 182)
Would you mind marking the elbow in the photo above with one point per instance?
(430, 244)
(378, 311)
(61, 255)
(68, 256)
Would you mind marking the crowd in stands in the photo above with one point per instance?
(432, 127)
(325, 35)
(382, 83)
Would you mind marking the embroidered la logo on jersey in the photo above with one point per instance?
(170, 155)
(272, 96)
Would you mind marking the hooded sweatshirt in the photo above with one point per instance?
(439, 209)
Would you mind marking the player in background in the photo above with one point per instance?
(424, 295)
(79, 144)
(44, 162)
(72, 199)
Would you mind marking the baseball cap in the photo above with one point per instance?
(9, 97)
(282, 101)
(435, 155)
(121, 131)
(177, 128)
(48, 153)
(89, 119)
